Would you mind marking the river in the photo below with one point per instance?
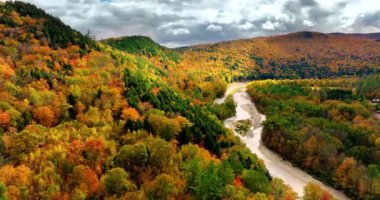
(277, 167)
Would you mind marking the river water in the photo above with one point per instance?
(277, 167)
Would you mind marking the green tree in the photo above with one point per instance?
(3, 190)
(255, 181)
(226, 173)
(116, 182)
(3, 148)
(132, 157)
(210, 185)
(193, 172)
(260, 196)
(235, 192)
(160, 153)
(373, 173)
(241, 158)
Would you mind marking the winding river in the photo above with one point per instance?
(277, 167)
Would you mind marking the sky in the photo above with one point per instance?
(176, 23)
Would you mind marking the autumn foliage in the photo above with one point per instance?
(325, 127)
(5, 119)
(44, 115)
(129, 119)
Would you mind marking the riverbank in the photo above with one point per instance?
(277, 167)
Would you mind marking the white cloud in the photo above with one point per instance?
(308, 23)
(268, 25)
(224, 20)
(214, 28)
(178, 31)
(246, 26)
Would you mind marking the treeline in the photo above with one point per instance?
(326, 129)
(58, 34)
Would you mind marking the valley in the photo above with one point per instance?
(128, 118)
(277, 167)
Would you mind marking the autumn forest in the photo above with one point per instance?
(127, 118)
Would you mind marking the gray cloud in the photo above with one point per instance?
(368, 21)
(184, 22)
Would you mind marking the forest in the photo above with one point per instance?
(82, 120)
(126, 118)
(326, 127)
(291, 56)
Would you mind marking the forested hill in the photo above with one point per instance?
(142, 45)
(295, 55)
(53, 29)
(83, 120)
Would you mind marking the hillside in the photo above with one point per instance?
(295, 55)
(196, 80)
(126, 118)
(53, 29)
(82, 120)
(144, 46)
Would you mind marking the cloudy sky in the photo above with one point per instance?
(184, 22)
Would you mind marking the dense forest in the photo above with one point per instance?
(126, 118)
(82, 120)
(326, 127)
(295, 55)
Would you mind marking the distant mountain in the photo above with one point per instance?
(295, 55)
(375, 36)
(305, 35)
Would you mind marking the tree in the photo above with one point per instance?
(281, 191)
(116, 182)
(193, 172)
(255, 181)
(241, 158)
(260, 196)
(312, 192)
(235, 193)
(25, 142)
(160, 153)
(132, 157)
(3, 191)
(94, 153)
(345, 173)
(210, 186)
(92, 116)
(163, 126)
(373, 173)
(16, 179)
(85, 179)
(3, 147)
(44, 115)
(5, 119)
(162, 187)
(130, 114)
(327, 196)
(226, 173)
(46, 182)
